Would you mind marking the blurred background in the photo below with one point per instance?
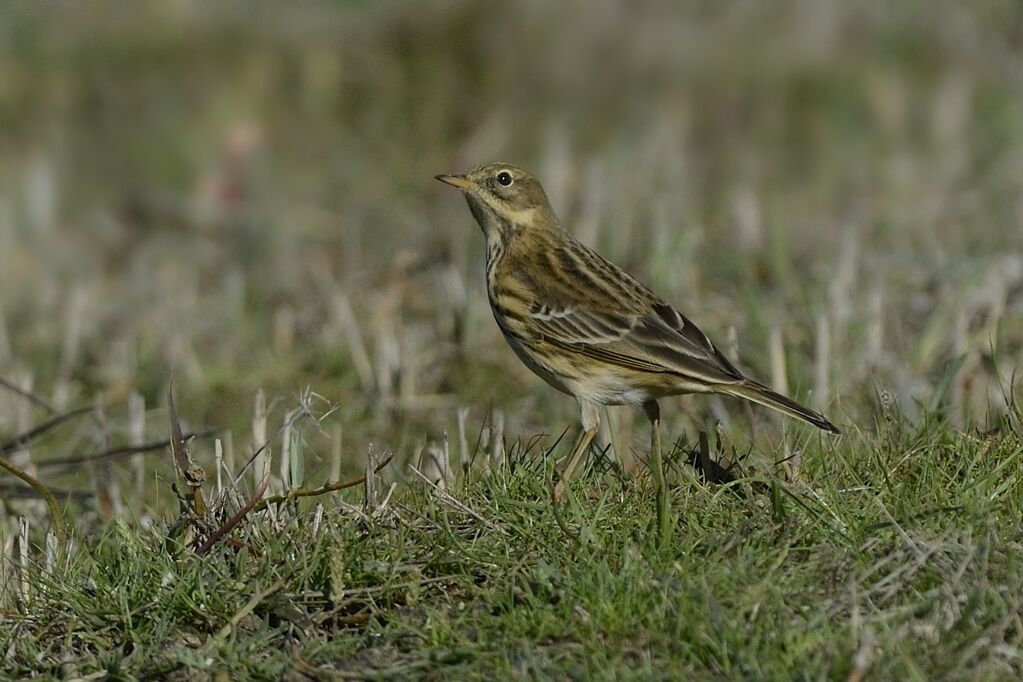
(242, 195)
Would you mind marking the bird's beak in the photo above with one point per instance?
(459, 181)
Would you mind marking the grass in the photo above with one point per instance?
(239, 201)
(894, 555)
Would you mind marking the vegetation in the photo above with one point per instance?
(234, 205)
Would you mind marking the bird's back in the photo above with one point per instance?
(581, 316)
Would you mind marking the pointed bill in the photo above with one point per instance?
(459, 181)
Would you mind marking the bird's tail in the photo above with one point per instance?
(758, 393)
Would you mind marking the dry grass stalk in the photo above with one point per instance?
(344, 318)
(137, 436)
(447, 457)
(497, 439)
(70, 348)
(226, 528)
(50, 553)
(317, 519)
(434, 462)
(229, 459)
(370, 481)
(463, 441)
(6, 551)
(218, 463)
(24, 582)
(822, 367)
(56, 514)
(107, 492)
(335, 459)
(259, 463)
(776, 350)
(285, 466)
(190, 473)
(329, 487)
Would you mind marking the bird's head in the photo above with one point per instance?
(505, 200)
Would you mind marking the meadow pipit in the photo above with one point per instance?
(586, 326)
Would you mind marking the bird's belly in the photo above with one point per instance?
(610, 389)
(606, 386)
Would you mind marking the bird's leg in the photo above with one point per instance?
(653, 413)
(590, 421)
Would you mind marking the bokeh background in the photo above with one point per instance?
(241, 196)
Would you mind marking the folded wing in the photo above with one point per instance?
(659, 340)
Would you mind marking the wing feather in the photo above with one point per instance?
(586, 305)
(660, 341)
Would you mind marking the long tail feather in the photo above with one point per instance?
(758, 393)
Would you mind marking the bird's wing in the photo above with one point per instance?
(658, 339)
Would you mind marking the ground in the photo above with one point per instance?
(235, 205)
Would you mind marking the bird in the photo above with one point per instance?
(583, 324)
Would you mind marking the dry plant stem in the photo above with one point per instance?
(121, 451)
(236, 519)
(370, 498)
(13, 490)
(256, 504)
(190, 472)
(27, 395)
(322, 490)
(24, 438)
(59, 527)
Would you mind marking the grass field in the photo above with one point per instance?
(236, 203)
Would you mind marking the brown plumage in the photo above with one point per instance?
(583, 324)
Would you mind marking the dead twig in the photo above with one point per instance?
(23, 439)
(328, 487)
(236, 519)
(14, 490)
(256, 504)
(122, 451)
(191, 473)
(59, 527)
(27, 395)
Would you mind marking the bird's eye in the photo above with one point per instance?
(504, 178)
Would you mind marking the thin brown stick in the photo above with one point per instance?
(329, 487)
(191, 473)
(121, 451)
(236, 519)
(13, 489)
(22, 439)
(27, 395)
(59, 527)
